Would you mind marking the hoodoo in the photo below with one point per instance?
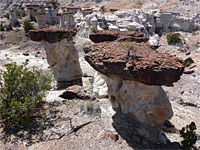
(134, 73)
(62, 56)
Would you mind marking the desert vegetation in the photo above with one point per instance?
(22, 93)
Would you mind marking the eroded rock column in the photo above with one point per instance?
(22, 12)
(62, 56)
(69, 20)
(134, 74)
(13, 18)
(40, 20)
(61, 20)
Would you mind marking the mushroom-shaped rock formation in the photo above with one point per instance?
(134, 73)
(62, 56)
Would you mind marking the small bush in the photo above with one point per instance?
(22, 91)
(189, 136)
(18, 14)
(94, 30)
(9, 27)
(1, 27)
(102, 8)
(126, 45)
(32, 18)
(129, 46)
(28, 26)
(187, 64)
(173, 38)
(53, 2)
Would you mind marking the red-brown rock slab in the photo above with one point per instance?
(139, 62)
(77, 91)
(51, 35)
(106, 35)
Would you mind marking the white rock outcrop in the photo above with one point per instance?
(63, 59)
(149, 22)
(100, 88)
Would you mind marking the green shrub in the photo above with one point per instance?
(187, 64)
(1, 27)
(18, 13)
(94, 30)
(173, 38)
(54, 2)
(126, 45)
(28, 26)
(189, 136)
(9, 27)
(102, 8)
(22, 92)
(32, 18)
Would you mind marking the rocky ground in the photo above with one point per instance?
(109, 129)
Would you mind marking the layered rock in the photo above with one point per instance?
(106, 35)
(134, 73)
(61, 55)
(141, 63)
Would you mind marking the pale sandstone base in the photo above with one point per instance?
(147, 105)
(63, 58)
(100, 88)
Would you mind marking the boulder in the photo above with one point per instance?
(135, 26)
(154, 40)
(62, 56)
(77, 91)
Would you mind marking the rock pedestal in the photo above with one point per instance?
(62, 56)
(22, 12)
(39, 14)
(69, 20)
(51, 15)
(61, 20)
(134, 73)
(13, 18)
(40, 20)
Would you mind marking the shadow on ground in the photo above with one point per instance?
(127, 129)
(34, 133)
